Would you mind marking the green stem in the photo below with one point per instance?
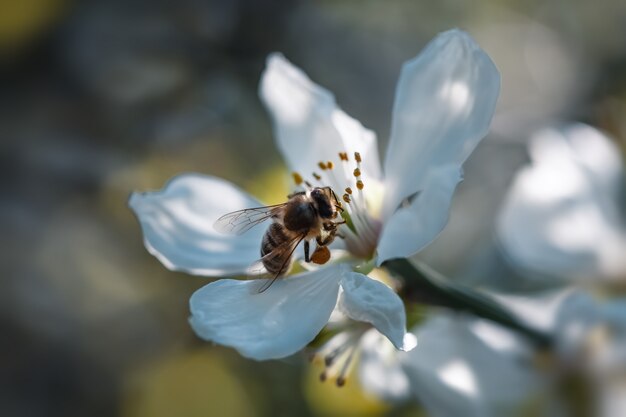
(428, 287)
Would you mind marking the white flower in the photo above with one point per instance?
(561, 223)
(444, 103)
(561, 218)
(472, 367)
(465, 366)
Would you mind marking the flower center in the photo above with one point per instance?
(361, 229)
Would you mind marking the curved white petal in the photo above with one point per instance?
(380, 370)
(177, 224)
(413, 227)
(577, 315)
(371, 301)
(310, 128)
(444, 103)
(453, 372)
(561, 216)
(269, 325)
(567, 314)
(584, 146)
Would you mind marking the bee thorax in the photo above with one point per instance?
(300, 215)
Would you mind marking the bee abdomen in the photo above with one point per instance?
(277, 262)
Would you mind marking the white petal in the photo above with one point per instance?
(413, 227)
(567, 314)
(454, 373)
(371, 301)
(444, 103)
(561, 217)
(585, 146)
(380, 371)
(177, 224)
(268, 325)
(578, 314)
(310, 128)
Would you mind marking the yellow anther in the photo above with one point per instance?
(346, 198)
(343, 156)
(297, 178)
(357, 172)
(317, 176)
(359, 184)
(322, 166)
(330, 165)
(349, 190)
(357, 156)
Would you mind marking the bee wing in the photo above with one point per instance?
(241, 221)
(284, 251)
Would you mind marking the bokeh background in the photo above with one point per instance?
(102, 97)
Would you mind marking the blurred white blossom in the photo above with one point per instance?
(562, 224)
(561, 218)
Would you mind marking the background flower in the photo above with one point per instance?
(563, 214)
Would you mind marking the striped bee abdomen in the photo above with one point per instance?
(276, 250)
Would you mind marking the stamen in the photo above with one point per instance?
(343, 156)
(322, 166)
(330, 165)
(308, 184)
(341, 379)
(357, 157)
(334, 354)
(357, 172)
(359, 185)
(297, 178)
(346, 198)
(317, 176)
(349, 190)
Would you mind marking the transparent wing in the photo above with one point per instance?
(241, 221)
(284, 253)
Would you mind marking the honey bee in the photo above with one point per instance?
(305, 216)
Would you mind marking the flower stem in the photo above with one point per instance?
(426, 286)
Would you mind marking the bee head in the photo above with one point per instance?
(321, 200)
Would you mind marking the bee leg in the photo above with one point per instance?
(332, 225)
(306, 251)
(325, 241)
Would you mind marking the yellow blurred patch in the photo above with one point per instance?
(328, 400)
(196, 384)
(21, 21)
(270, 186)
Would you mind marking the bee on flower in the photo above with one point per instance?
(444, 103)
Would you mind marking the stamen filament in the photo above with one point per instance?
(341, 379)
